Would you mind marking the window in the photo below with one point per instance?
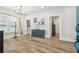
(3, 23)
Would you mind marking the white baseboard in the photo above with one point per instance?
(67, 39)
(47, 36)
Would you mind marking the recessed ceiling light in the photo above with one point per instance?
(42, 6)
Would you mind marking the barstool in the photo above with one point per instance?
(77, 39)
(77, 45)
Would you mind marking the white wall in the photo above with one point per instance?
(68, 22)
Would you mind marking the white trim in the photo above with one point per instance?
(60, 26)
(69, 39)
(47, 36)
(60, 23)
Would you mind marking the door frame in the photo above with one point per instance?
(60, 24)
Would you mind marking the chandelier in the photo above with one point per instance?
(19, 11)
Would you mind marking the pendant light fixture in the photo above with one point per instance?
(19, 12)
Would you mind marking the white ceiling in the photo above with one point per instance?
(31, 9)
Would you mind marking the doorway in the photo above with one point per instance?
(56, 26)
(28, 26)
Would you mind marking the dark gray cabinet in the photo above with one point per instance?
(38, 33)
(1, 41)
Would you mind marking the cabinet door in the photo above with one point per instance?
(1, 41)
(42, 34)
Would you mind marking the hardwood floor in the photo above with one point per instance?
(27, 44)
